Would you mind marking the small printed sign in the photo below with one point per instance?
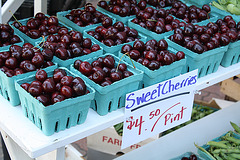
(157, 108)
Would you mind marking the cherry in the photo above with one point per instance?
(48, 85)
(109, 62)
(41, 75)
(77, 64)
(116, 76)
(58, 98)
(180, 55)
(25, 86)
(38, 60)
(122, 67)
(66, 80)
(47, 54)
(44, 99)
(79, 89)
(85, 68)
(98, 76)
(58, 75)
(127, 74)
(11, 63)
(52, 20)
(106, 83)
(35, 90)
(162, 44)
(66, 91)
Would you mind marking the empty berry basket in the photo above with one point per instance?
(56, 117)
(112, 97)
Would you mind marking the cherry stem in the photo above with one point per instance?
(127, 53)
(15, 18)
(152, 20)
(209, 17)
(40, 43)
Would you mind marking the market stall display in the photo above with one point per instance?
(153, 43)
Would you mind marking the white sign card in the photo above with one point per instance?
(152, 110)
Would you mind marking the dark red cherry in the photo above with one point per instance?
(41, 75)
(66, 91)
(85, 68)
(48, 85)
(25, 86)
(44, 99)
(66, 80)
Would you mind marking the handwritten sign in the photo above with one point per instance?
(159, 107)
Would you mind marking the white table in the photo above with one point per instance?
(182, 140)
(24, 139)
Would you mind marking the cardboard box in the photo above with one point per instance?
(108, 141)
(215, 103)
(231, 87)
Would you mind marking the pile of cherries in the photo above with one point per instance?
(87, 16)
(200, 39)
(152, 54)
(7, 36)
(191, 14)
(103, 70)
(38, 26)
(50, 90)
(114, 34)
(158, 21)
(123, 8)
(19, 60)
(69, 44)
(160, 3)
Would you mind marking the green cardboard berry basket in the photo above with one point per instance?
(212, 15)
(151, 77)
(113, 49)
(149, 34)
(206, 63)
(66, 63)
(56, 117)
(232, 55)
(27, 38)
(7, 87)
(112, 97)
(187, 154)
(117, 17)
(19, 44)
(66, 21)
(203, 155)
